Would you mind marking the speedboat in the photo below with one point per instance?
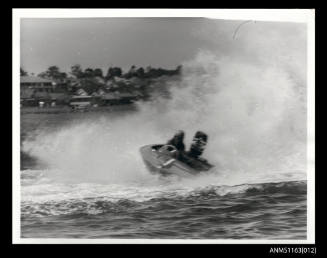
(162, 159)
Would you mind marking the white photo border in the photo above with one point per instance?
(306, 16)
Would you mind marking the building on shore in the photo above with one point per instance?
(37, 83)
(35, 90)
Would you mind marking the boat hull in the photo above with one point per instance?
(155, 160)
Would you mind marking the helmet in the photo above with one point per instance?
(180, 134)
(201, 135)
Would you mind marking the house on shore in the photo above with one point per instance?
(37, 83)
(35, 90)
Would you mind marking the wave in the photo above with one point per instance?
(90, 199)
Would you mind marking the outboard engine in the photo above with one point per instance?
(198, 144)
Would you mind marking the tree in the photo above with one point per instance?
(98, 72)
(23, 72)
(152, 72)
(42, 75)
(131, 72)
(88, 72)
(63, 75)
(76, 71)
(118, 71)
(114, 71)
(140, 72)
(90, 85)
(54, 73)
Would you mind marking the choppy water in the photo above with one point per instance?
(162, 208)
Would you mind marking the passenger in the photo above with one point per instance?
(198, 145)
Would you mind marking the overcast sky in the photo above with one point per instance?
(158, 42)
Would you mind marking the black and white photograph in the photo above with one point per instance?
(163, 126)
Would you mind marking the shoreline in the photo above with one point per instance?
(67, 109)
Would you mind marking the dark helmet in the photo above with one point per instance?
(201, 135)
(198, 144)
(179, 135)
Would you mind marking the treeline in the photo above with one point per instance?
(148, 82)
(76, 71)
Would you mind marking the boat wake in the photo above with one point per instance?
(42, 195)
(47, 198)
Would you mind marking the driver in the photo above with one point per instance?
(177, 142)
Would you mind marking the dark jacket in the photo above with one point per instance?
(178, 143)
